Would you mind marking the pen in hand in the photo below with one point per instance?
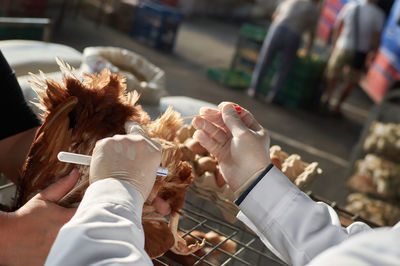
(69, 157)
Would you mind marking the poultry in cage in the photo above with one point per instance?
(77, 113)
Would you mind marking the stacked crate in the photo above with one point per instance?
(22, 8)
(301, 87)
(156, 24)
(251, 38)
(374, 168)
(124, 14)
(237, 79)
(34, 8)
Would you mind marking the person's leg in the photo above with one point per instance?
(291, 43)
(348, 87)
(330, 87)
(338, 59)
(357, 65)
(266, 57)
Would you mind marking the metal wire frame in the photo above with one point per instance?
(202, 215)
(250, 250)
(343, 214)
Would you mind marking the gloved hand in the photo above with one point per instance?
(133, 157)
(238, 142)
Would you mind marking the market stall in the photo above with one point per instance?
(374, 171)
(301, 88)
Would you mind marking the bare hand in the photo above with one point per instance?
(28, 233)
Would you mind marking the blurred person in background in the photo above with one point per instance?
(293, 226)
(291, 19)
(27, 234)
(356, 39)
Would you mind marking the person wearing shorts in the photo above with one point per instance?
(350, 52)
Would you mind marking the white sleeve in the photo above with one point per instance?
(106, 229)
(379, 247)
(343, 12)
(296, 227)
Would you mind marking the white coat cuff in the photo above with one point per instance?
(112, 191)
(269, 196)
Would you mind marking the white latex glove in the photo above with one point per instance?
(238, 142)
(133, 157)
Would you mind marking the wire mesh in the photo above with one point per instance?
(201, 215)
(346, 217)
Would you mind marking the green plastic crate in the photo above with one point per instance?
(253, 32)
(230, 78)
(21, 33)
(296, 103)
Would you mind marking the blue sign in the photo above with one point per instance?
(390, 43)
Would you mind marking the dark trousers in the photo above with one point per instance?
(279, 39)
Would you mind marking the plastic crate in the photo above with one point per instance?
(35, 8)
(301, 88)
(230, 78)
(285, 100)
(386, 112)
(253, 32)
(21, 33)
(302, 84)
(156, 25)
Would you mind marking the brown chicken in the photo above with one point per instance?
(78, 113)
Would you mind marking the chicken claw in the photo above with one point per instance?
(180, 246)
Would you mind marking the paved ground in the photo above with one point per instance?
(204, 43)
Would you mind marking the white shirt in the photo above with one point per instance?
(298, 15)
(301, 231)
(370, 20)
(106, 229)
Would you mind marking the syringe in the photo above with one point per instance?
(76, 158)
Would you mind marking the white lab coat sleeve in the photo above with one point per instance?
(286, 219)
(106, 229)
(378, 247)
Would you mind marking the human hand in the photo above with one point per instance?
(133, 158)
(28, 233)
(238, 142)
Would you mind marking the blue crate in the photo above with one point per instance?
(156, 24)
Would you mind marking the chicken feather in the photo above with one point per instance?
(76, 114)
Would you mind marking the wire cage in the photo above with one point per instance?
(201, 215)
(387, 111)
